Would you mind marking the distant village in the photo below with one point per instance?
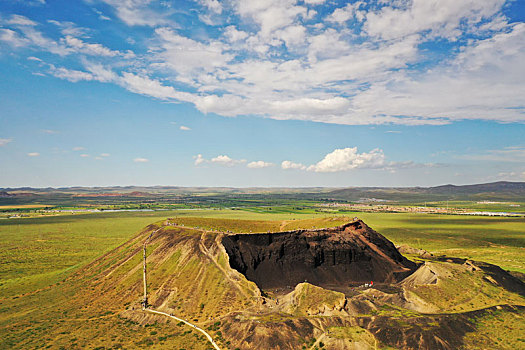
(413, 209)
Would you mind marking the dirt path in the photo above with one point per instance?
(145, 302)
(317, 341)
(210, 339)
(206, 252)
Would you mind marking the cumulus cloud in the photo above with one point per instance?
(344, 159)
(222, 159)
(138, 13)
(287, 165)
(352, 64)
(199, 159)
(141, 160)
(259, 164)
(436, 17)
(4, 142)
(78, 148)
(185, 128)
(33, 154)
(226, 160)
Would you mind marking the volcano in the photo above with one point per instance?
(348, 254)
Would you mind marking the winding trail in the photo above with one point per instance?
(210, 339)
(314, 345)
(207, 253)
(145, 300)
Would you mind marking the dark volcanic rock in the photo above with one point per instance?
(327, 257)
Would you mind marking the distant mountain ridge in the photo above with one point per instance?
(499, 191)
(500, 186)
(484, 187)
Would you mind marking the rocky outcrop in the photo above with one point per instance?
(352, 253)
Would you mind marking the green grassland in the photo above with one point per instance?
(37, 254)
(41, 250)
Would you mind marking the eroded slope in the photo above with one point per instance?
(351, 253)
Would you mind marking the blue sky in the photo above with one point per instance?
(261, 93)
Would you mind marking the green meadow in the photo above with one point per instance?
(38, 251)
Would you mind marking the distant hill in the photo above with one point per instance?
(502, 190)
(498, 187)
(498, 191)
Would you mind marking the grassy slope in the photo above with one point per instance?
(86, 310)
(36, 252)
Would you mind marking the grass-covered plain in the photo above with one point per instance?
(38, 253)
(35, 252)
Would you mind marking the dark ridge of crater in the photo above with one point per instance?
(326, 257)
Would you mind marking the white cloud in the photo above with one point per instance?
(188, 57)
(33, 154)
(282, 62)
(233, 35)
(185, 128)
(91, 49)
(105, 154)
(226, 160)
(199, 159)
(141, 160)
(4, 142)
(101, 73)
(314, 2)
(287, 165)
(270, 15)
(212, 5)
(101, 15)
(343, 14)
(70, 74)
(12, 38)
(440, 18)
(137, 13)
(223, 160)
(259, 164)
(78, 148)
(151, 87)
(84, 155)
(49, 131)
(21, 21)
(344, 159)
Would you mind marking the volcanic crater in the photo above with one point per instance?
(330, 257)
